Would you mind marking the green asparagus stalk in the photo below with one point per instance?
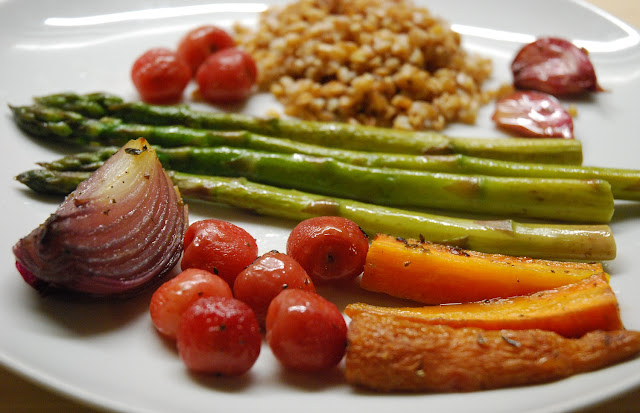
(76, 129)
(555, 199)
(550, 241)
(45, 181)
(625, 183)
(89, 161)
(93, 105)
(332, 134)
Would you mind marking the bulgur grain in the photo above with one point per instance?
(374, 62)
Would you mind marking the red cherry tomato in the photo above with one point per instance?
(200, 43)
(329, 248)
(160, 77)
(267, 277)
(554, 66)
(173, 297)
(219, 247)
(219, 335)
(533, 114)
(227, 76)
(305, 331)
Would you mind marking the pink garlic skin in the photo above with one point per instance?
(554, 66)
(533, 114)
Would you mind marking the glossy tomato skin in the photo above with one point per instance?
(555, 66)
(267, 277)
(227, 76)
(160, 76)
(329, 248)
(305, 331)
(533, 114)
(219, 247)
(219, 335)
(172, 298)
(200, 43)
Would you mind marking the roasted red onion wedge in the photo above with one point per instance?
(120, 231)
(554, 66)
(533, 114)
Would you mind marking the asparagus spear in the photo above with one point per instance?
(74, 128)
(550, 241)
(94, 105)
(340, 135)
(625, 183)
(557, 199)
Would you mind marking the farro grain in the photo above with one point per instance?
(374, 62)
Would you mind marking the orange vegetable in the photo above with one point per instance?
(388, 353)
(436, 274)
(571, 310)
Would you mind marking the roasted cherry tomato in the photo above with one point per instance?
(219, 247)
(533, 114)
(160, 76)
(267, 277)
(305, 331)
(554, 66)
(219, 335)
(202, 42)
(173, 297)
(329, 248)
(227, 76)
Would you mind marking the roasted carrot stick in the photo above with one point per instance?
(387, 353)
(436, 274)
(570, 310)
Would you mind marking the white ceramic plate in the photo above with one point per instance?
(108, 355)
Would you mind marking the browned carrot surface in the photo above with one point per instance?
(570, 310)
(387, 353)
(436, 274)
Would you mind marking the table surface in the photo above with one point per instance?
(18, 395)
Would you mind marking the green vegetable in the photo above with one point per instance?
(93, 105)
(579, 242)
(555, 199)
(625, 183)
(339, 135)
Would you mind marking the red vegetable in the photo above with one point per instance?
(219, 247)
(202, 42)
(227, 76)
(219, 335)
(329, 248)
(119, 232)
(305, 331)
(267, 277)
(173, 297)
(533, 114)
(160, 76)
(555, 66)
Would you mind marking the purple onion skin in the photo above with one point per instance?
(40, 286)
(118, 234)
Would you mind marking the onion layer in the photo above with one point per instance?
(120, 231)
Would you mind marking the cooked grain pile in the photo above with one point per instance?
(375, 62)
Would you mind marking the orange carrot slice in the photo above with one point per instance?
(571, 310)
(436, 274)
(388, 353)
